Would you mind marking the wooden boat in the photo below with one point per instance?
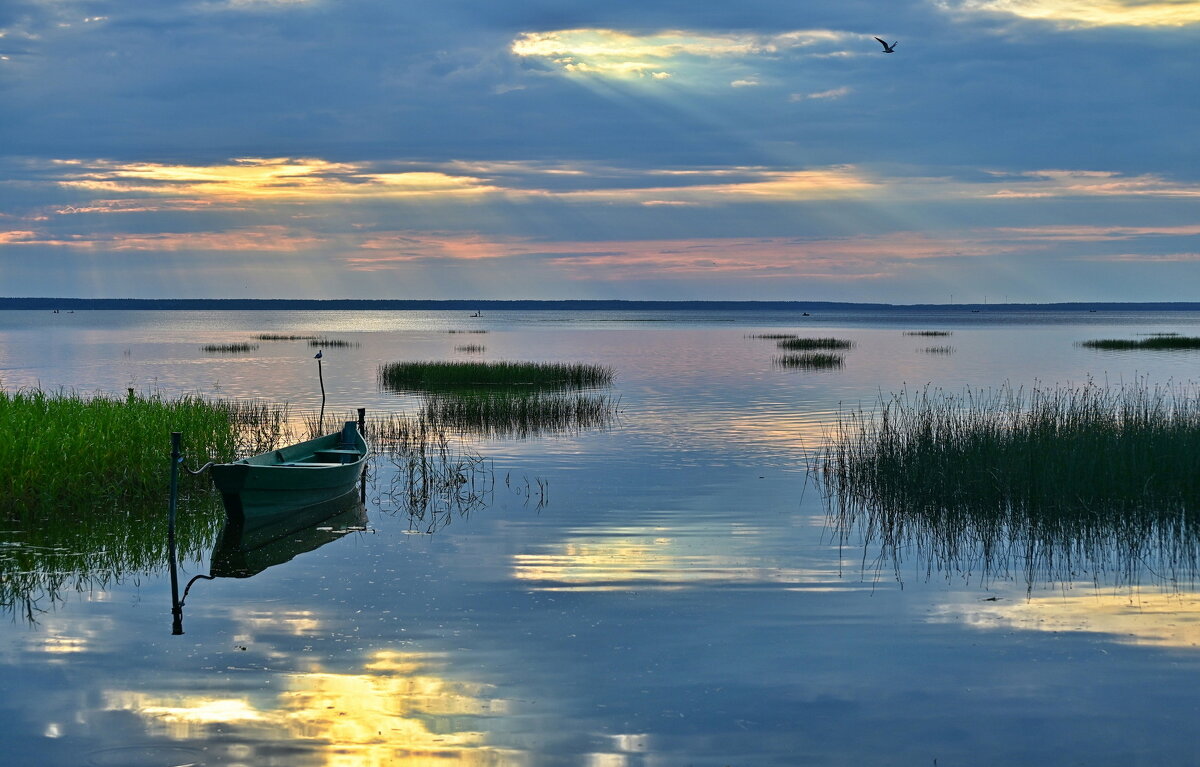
(292, 478)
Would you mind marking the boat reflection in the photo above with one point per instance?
(249, 545)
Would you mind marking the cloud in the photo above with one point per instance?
(1090, 13)
(622, 55)
(832, 93)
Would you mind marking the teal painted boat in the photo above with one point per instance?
(285, 481)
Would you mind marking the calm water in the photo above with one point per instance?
(664, 591)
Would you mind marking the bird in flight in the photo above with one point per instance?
(888, 48)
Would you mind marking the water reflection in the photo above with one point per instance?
(1031, 546)
(250, 544)
(398, 708)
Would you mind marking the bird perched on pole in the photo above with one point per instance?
(319, 354)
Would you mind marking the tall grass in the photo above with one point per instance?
(812, 344)
(929, 333)
(1166, 342)
(62, 450)
(282, 337)
(1061, 479)
(416, 376)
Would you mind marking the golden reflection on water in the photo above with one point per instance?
(1153, 619)
(661, 557)
(398, 710)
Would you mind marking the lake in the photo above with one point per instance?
(665, 588)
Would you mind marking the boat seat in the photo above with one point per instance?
(309, 465)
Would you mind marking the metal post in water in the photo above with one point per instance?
(176, 607)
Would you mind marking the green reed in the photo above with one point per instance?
(773, 336)
(471, 348)
(810, 361)
(282, 337)
(1164, 342)
(933, 333)
(409, 376)
(237, 348)
(1061, 480)
(66, 450)
(938, 350)
(811, 344)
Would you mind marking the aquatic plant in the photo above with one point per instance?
(1053, 479)
(471, 348)
(281, 337)
(808, 344)
(237, 348)
(1164, 342)
(928, 332)
(773, 336)
(938, 350)
(810, 360)
(66, 451)
(410, 376)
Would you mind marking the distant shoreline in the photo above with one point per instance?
(357, 304)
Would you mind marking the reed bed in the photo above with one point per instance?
(938, 350)
(773, 336)
(810, 361)
(478, 332)
(1153, 343)
(928, 333)
(813, 344)
(282, 337)
(236, 348)
(62, 450)
(426, 376)
(471, 348)
(333, 343)
(1059, 479)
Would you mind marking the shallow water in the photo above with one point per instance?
(667, 590)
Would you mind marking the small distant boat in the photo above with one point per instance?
(283, 481)
(477, 314)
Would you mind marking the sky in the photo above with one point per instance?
(1008, 150)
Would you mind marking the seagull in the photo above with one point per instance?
(319, 353)
(888, 48)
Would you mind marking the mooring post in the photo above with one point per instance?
(362, 480)
(176, 607)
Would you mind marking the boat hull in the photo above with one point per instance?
(292, 478)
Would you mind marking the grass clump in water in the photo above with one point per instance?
(773, 336)
(928, 333)
(279, 337)
(1086, 450)
(68, 451)
(471, 348)
(237, 348)
(812, 344)
(1156, 342)
(810, 361)
(433, 376)
(938, 350)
